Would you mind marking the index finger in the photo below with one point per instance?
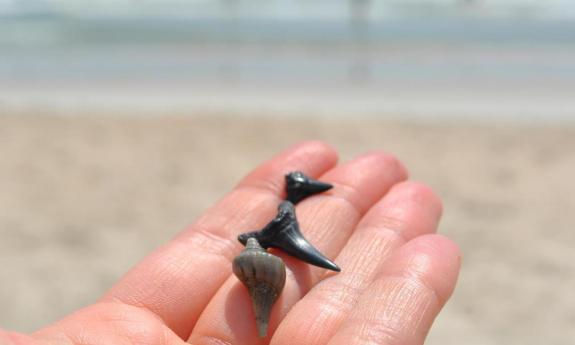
(177, 280)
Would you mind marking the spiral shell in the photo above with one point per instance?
(264, 275)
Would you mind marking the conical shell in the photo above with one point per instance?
(283, 232)
(264, 275)
(299, 186)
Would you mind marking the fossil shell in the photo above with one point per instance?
(283, 232)
(264, 275)
(299, 186)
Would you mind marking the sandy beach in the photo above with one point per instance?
(82, 199)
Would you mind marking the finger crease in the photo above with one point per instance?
(349, 192)
(384, 229)
(210, 242)
(419, 282)
(345, 200)
(338, 296)
(269, 187)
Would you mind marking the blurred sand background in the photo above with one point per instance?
(82, 199)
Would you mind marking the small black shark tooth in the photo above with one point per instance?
(299, 186)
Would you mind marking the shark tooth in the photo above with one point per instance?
(299, 186)
(283, 232)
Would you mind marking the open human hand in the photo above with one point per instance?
(396, 273)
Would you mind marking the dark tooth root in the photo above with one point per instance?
(299, 186)
(283, 233)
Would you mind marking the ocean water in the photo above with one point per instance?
(454, 57)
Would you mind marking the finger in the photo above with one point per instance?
(327, 220)
(410, 209)
(177, 280)
(400, 306)
(13, 338)
(107, 323)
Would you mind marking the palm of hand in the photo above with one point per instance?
(396, 274)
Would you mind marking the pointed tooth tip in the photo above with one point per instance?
(331, 266)
(336, 268)
(323, 185)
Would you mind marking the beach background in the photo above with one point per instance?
(121, 122)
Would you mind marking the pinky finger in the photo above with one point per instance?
(400, 306)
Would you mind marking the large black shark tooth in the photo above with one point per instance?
(283, 233)
(299, 186)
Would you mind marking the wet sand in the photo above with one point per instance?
(82, 199)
